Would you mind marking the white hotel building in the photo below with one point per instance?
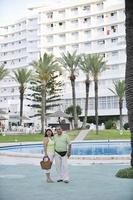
(87, 26)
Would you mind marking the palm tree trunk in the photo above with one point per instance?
(121, 121)
(21, 106)
(43, 111)
(74, 104)
(96, 104)
(86, 104)
(129, 67)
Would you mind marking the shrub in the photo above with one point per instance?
(87, 126)
(126, 126)
(110, 124)
(125, 173)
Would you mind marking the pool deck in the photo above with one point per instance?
(93, 182)
(90, 179)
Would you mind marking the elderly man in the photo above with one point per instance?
(62, 152)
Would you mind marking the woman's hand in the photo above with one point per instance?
(68, 154)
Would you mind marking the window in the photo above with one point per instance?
(62, 48)
(100, 6)
(62, 25)
(114, 40)
(87, 33)
(12, 90)
(74, 10)
(62, 13)
(74, 23)
(50, 26)
(115, 67)
(114, 28)
(75, 35)
(62, 37)
(100, 30)
(50, 50)
(103, 54)
(87, 44)
(86, 8)
(101, 42)
(87, 20)
(100, 18)
(50, 15)
(12, 62)
(115, 53)
(75, 47)
(113, 14)
(50, 39)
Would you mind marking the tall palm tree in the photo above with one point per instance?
(70, 63)
(85, 67)
(119, 90)
(45, 67)
(97, 66)
(3, 72)
(22, 76)
(129, 67)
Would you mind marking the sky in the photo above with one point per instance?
(11, 10)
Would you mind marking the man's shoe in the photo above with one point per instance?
(66, 181)
(60, 180)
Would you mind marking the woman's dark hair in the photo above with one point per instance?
(45, 135)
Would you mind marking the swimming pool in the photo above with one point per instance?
(78, 148)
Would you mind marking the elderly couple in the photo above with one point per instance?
(57, 147)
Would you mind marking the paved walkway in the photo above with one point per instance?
(82, 134)
(92, 182)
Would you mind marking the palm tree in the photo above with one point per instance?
(70, 63)
(119, 90)
(129, 67)
(3, 72)
(85, 67)
(45, 67)
(97, 66)
(22, 76)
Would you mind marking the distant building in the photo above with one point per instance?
(87, 26)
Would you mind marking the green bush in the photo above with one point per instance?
(125, 173)
(87, 126)
(126, 126)
(110, 124)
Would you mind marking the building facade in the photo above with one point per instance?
(87, 26)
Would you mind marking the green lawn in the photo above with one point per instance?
(73, 134)
(30, 138)
(107, 134)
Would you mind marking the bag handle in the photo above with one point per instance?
(46, 157)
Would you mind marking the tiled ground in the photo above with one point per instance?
(92, 182)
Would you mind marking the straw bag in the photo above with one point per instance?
(46, 163)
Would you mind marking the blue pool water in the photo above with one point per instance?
(78, 148)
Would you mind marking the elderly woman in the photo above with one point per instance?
(48, 142)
